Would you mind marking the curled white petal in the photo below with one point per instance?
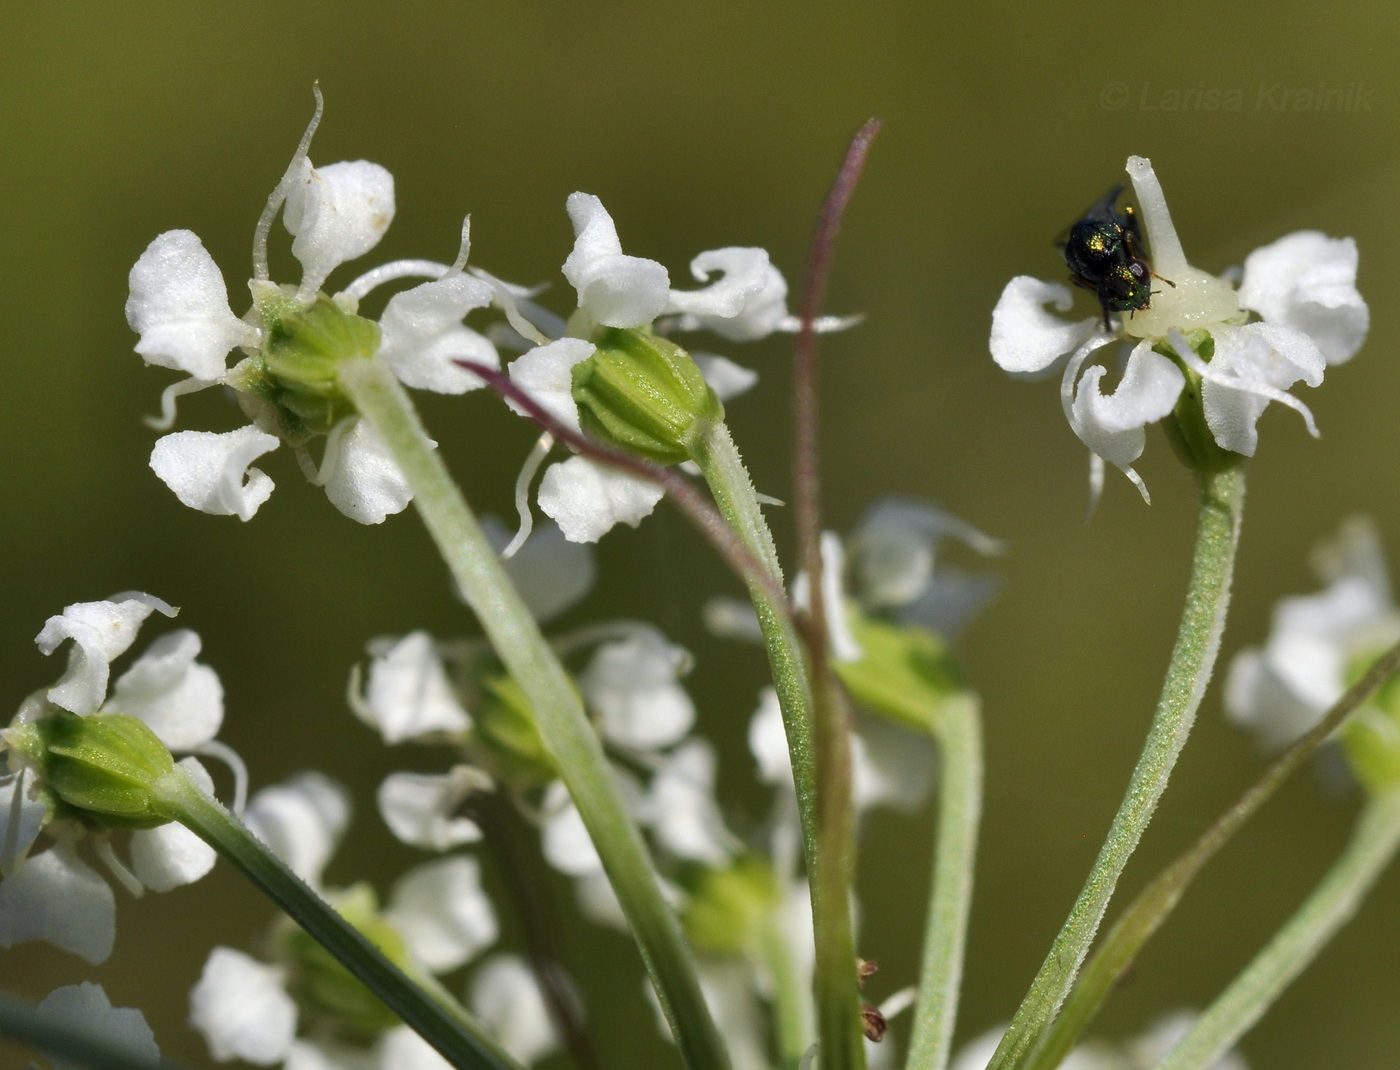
(179, 307)
(727, 379)
(546, 374)
(181, 700)
(895, 545)
(506, 999)
(421, 808)
(206, 469)
(748, 302)
(57, 897)
(587, 500)
(1025, 337)
(1307, 281)
(22, 816)
(1252, 366)
(86, 1006)
(242, 1008)
(1112, 424)
(171, 855)
(422, 334)
(301, 820)
(409, 694)
(615, 289)
(100, 631)
(441, 911)
(551, 573)
(634, 686)
(361, 478)
(680, 806)
(336, 213)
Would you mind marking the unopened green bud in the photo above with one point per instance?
(508, 729)
(1371, 736)
(646, 395)
(326, 990)
(727, 908)
(1187, 429)
(904, 673)
(105, 767)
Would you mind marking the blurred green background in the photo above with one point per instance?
(701, 125)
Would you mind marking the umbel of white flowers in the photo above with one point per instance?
(292, 337)
(1194, 354)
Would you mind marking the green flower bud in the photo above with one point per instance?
(104, 767)
(326, 990)
(1371, 736)
(644, 394)
(1187, 429)
(728, 908)
(904, 673)
(507, 729)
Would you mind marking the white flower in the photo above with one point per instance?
(1281, 690)
(506, 998)
(616, 290)
(681, 809)
(409, 695)
(86, 1007)
(1303, 286)
(243, 1009)
(302, 820)
(421, 808)
(633, 685)
(179, 307)
(441, 911)
(551, 573)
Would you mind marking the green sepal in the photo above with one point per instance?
(726, 908)
(1186, 427)
(507, 728)
(1371, 736)
(644, 394)
(905, 673)
(103, 769)
(325, 990)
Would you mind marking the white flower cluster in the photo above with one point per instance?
(55, 895)
(179, 307)
(1303, 288)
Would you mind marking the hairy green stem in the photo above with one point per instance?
(958, 731)
(562, 721)
(1331, 905)
(1155, 903)
(445, 1025)
(1192, 662)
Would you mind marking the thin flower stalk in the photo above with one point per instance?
(563, 724)
(1192, 662)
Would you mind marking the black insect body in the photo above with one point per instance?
(1104, 254)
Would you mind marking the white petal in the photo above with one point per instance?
(633, 685)
(327, 1055)
(1156, 1043)
(551, 573)
(57, 897)
(1028, 339)
(171, 855)
(100, 631)
(546, 374)
(403, 1049)
(442, 913)
(727, 379)
(242, 1009)
(598, 902)
(587, 500)
(681, 808)
(421, 808)
(1262, 355)
(748, 302)
(1354, 551)
(337, 213)
(206, 470)
(422, 334)
(895, 545)
(564, 837)
(363, 481)
(948, 603)
(890, 766)
(181, 700)
(615, 289)
(843, 641)
(1112, 425)
(1307, 281)
(22, 816)
(409, 695)
(86, 1006)
(302, 821)
(506, 999)
(768, 740)
(179, 307)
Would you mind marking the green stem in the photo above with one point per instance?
(824, 813)
(69, 1040)
(1192, 661)
(794, 1019)
(958, 730)
(563, 724)
(1155, 903)
(446, 1026)
(1331, 905)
